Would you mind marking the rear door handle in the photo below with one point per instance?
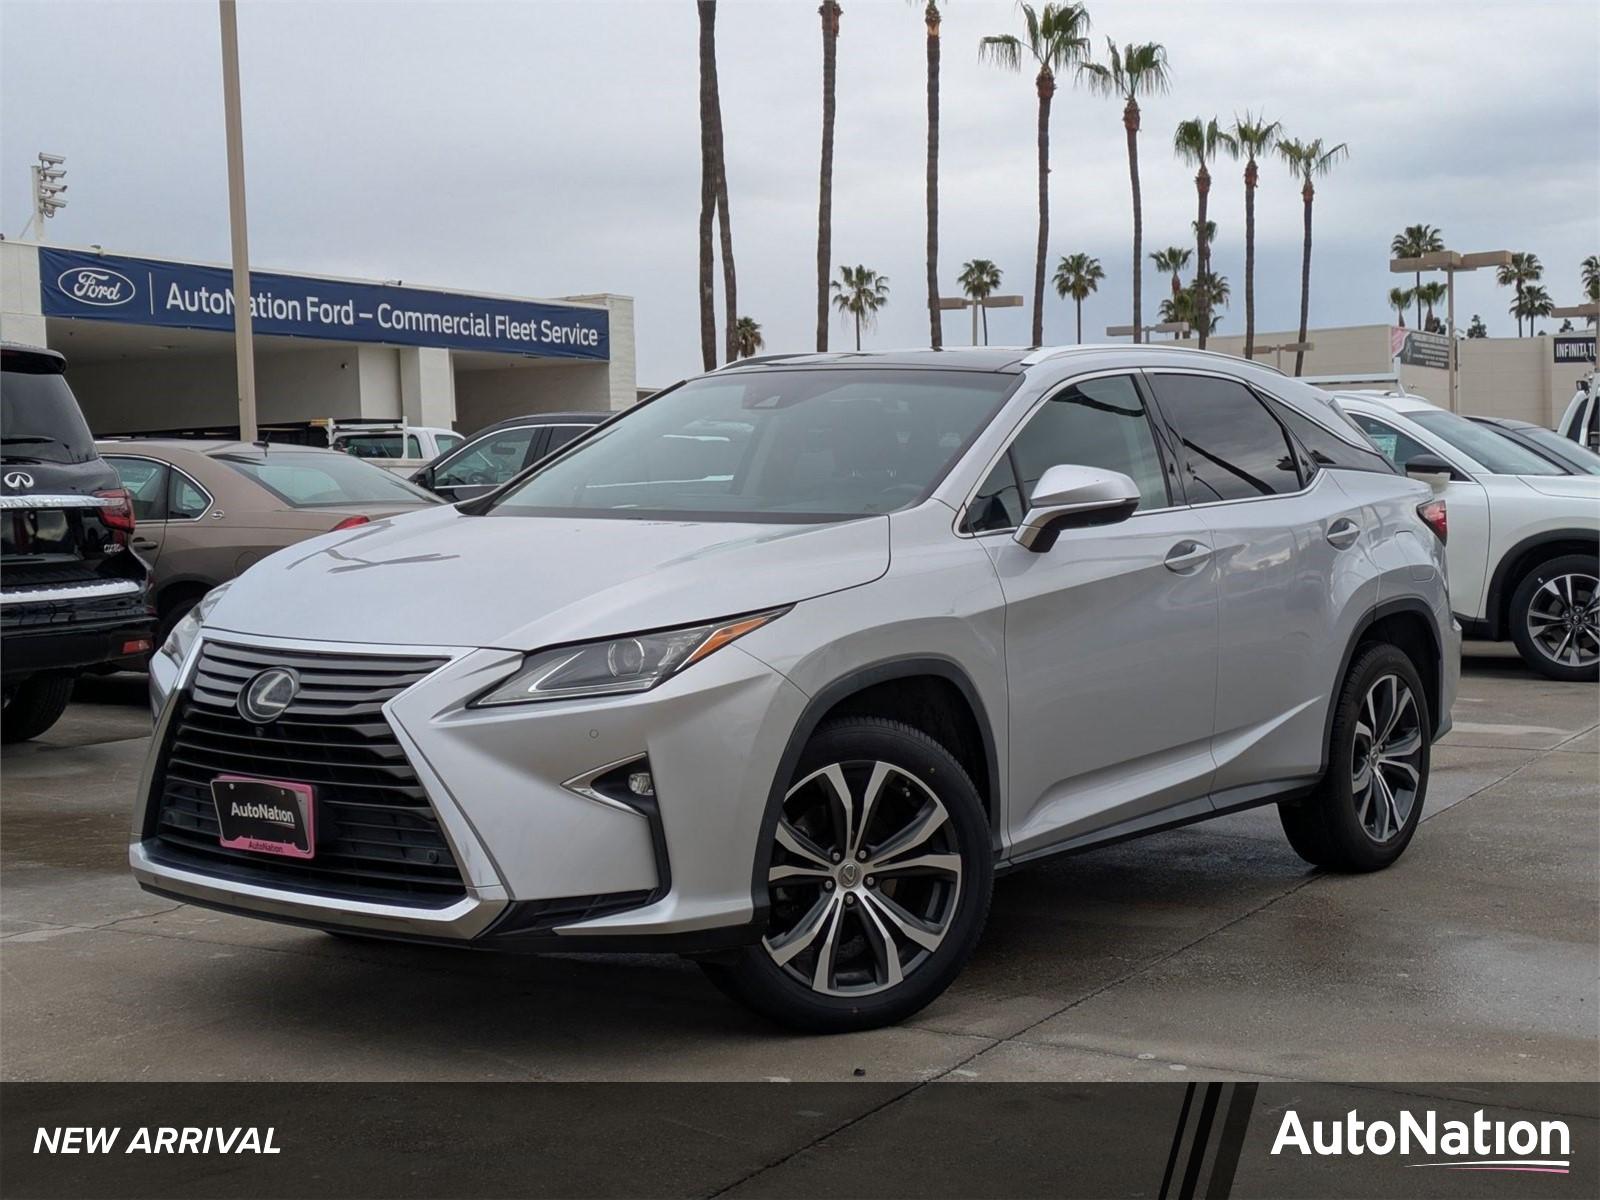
(140, 543)
(1187, 557)
(1342, 534)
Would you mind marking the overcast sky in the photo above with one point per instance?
(539, 148)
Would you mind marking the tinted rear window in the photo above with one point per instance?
(318, 480)
(39, 417)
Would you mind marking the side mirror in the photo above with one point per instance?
(1073, 498)
(424, 478)
(1430, 468)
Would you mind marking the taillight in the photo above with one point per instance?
(117, 511)
(349, 523)
(1435, 518)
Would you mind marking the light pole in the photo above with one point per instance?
(47, 175)
(1177, 329)
(243, 333)
(1450, 262)
(955, 302)
(1297, 347)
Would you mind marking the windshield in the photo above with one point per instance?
(40, 420)
(1498, 453)
(775, 445)
(1580, 458)
(321, 478)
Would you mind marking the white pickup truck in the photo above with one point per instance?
(395, 447)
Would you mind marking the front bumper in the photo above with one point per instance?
(538, 856)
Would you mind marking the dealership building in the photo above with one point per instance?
(149, 344)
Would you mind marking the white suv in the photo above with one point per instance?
(1523, 532)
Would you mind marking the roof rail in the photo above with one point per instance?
(1043, 353)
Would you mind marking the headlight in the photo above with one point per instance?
(618, 665)
(183, 634)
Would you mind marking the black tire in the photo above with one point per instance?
(34, 705)
(178, 610)
(922, 769)
(1584, 571)
(1331, 827)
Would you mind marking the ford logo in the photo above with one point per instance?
(268, 694)
(96, 285)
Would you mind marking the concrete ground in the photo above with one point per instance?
(1210, 952)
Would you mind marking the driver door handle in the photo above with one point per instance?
(1187, 557)
(1342, 534)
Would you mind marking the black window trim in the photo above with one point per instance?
(174, 469)
(1159, 433)
(1301, 457)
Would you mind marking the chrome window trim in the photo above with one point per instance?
(1050, 391)
(198, 486)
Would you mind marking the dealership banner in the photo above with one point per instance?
(1415, 348)
(147, 291)
(1166, 1141)
(1573, 347)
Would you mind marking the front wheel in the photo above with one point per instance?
(1362, 815)
(881, 869)
(1555, 618)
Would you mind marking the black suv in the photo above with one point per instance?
(72, 594)
(497, 452)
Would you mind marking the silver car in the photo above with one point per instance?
(780, 668)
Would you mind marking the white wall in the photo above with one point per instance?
(181, 390)
(484, 397)
(20, 318)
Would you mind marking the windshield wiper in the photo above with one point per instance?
(36, 439)
(19, 458)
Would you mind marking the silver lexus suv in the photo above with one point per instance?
(780, 667)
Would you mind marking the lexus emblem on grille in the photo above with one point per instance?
(19, 479)
(265, 697)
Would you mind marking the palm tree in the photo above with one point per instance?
(1591, 282)
(978, 279)
(930, 20)
(1431, 293)
(1477, 329)
(1519, 273)
(1306, 161)
(1057, 38)
(713, 195)
(1532, 301)
(1400, 300)
(860, 292)
(1170, 261)
(1250, 136)
(1138, 69)
(1209, 292)
(1194, 142)
(1413, 242)
(830, 13)
(1078, 275)
(747, 335)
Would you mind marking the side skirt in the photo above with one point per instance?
(1188, 812)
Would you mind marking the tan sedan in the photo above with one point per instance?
(206, 510)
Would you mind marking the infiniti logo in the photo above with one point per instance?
(265, 697)
(19, 479)
(96, 285)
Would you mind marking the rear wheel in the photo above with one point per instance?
(1363, 814)
(33, 706)
(1555, 618)
(879, 881)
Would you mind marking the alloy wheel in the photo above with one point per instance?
(864, 880)
(1386, 759)
(1564, 620)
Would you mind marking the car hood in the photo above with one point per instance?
(1577, 487)
(443, 578)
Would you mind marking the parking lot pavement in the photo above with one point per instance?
(1209, 952)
